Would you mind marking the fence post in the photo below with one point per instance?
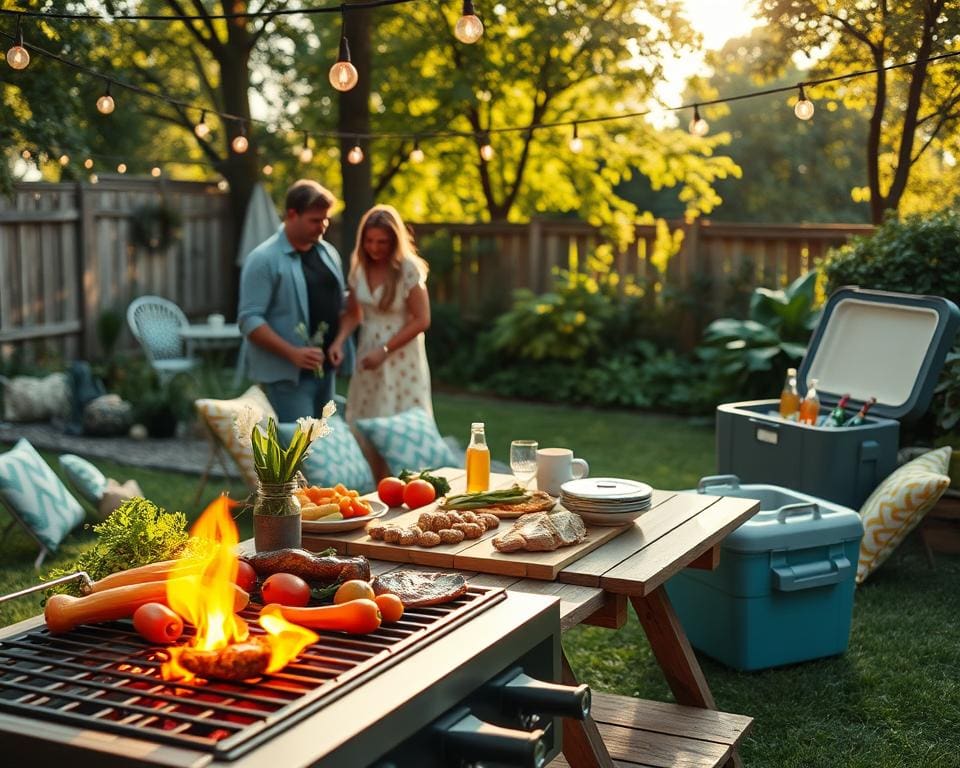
(88, 291)
(689, 330)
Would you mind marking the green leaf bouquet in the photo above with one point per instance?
(275, 464)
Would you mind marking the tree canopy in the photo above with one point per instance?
(913, 111)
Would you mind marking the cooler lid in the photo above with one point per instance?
(880, 344)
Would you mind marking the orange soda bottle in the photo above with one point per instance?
(790, 397)
(478, 460)
(810, 407)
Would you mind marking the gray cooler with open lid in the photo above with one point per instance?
(868, 343)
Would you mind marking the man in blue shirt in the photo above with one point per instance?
(291, 287)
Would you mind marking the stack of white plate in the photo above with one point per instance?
(606, 500)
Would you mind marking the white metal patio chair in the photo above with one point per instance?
(156, 323)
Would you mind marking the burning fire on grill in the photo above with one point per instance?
(223, 646)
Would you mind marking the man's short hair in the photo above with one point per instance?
(306, 194)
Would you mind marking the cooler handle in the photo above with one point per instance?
(706, 482)
(798, 509)
(792, 578)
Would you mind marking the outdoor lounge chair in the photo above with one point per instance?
(156, 324)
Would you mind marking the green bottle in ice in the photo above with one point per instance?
(860, 417)
(838, 415)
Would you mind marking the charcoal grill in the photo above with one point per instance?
(94, 696)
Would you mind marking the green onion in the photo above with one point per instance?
(513, 495)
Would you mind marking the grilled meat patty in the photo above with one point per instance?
(418, 588)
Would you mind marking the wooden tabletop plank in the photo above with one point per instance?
(652, 566)
(647, 531)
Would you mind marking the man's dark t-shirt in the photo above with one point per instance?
(324, 297)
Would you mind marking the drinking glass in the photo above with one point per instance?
(523, 460)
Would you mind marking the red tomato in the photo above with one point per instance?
(286, 589)
(418, 493)
(246, 576)
(390, 491)
(157, 623)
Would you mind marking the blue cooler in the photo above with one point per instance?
(783, 591)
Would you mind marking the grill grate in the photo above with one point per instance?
(104, 677)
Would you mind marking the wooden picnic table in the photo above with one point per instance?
(681, 530)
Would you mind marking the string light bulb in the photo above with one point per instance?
(88, 163)
(201, 129)
(26, 154)
(240, 143)
(576, 143)
(106, 104)
(155, 171)
(122, 168)
(18, 57)
(486, 148)
(698, 126)
(343, 75)
(469, 28)
(355, 155)
(306, 154)
(94, 179)
(416, 154)
(64, 159)
(803, 109)
(267, 170)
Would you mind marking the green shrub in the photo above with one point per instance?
(750, 357)
(916, 254)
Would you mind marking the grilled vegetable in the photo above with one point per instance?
(324, 569)
(157, 623)
(512, 495)
(63, 612)
(356, 616)
(145, 573)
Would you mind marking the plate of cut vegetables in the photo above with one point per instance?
(335, 509)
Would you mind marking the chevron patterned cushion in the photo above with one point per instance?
(408, 440)
(898, 504)
(34, 493)
(219, 416)
(83, 477)
(336, 458)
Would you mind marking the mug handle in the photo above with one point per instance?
(579, 468)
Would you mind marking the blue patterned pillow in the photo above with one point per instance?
(35, 494)
(336, 458)
(85, 478)
(408, 440)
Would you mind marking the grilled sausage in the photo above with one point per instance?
(324, 569)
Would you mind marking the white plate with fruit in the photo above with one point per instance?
(335, 524)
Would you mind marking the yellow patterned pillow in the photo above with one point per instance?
(898, 504)
(219, 416)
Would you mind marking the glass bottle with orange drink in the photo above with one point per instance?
(478, 460)
(790, 397)
(810, 406)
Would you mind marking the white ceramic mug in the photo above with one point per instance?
(215, 321)
(555, 466)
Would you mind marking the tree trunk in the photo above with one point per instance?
(354, 118)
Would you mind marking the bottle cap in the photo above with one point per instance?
(476, 425)
(791, 371)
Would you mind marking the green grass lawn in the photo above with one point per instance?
(892, 700)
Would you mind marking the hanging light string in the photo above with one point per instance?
(475, 135)
(302, 11)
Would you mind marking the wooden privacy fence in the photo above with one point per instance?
(478, 266)
(67, 254)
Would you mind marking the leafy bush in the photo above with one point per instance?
(567, 323)
(750, 357)
(916, 254)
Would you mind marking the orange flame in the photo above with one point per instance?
(207, 600)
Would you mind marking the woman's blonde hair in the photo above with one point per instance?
(385, 217)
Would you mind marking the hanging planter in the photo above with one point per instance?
(155, 226)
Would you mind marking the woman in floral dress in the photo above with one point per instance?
(388, 298)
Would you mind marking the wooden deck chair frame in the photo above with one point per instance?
(217, 454)
(15, 519)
